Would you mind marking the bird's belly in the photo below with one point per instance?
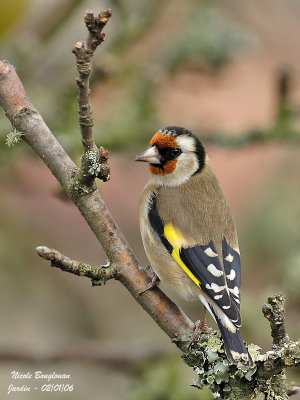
(170, 273)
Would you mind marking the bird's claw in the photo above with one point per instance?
(152, 285)
(200, 326)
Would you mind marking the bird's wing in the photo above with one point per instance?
(202, 264)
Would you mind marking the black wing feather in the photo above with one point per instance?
(234, 265)
(197, 261)
(157, 224)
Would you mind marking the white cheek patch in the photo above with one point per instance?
(186, 143)
(187, 165)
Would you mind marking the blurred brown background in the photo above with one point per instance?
(212, 67)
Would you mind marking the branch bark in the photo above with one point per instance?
(207, 356)
(24, 118)
(94, 161)
(98, 275)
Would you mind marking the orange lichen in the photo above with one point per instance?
(168, 168)
(162, 140)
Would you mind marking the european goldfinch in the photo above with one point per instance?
(188, 231)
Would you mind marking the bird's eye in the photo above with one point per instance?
(176, 152)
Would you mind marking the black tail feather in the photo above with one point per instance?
(234, 344)
(235, 347)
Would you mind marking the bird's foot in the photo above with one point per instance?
(195, 334)
(203, 326)
(200, 326)
(153, 284)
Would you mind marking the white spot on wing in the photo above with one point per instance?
(231, 276)
(229, 258)
(214, 271)
(216, 288)
(237, 300)
(235, 291)
(225, 307)
(218, 296)
(210, 253)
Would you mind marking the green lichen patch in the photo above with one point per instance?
(76, 189)
(254, 351)
(13, 137)
(215, 372)
(97, 274)
(264, 380)
(91, 160)
(94, 165)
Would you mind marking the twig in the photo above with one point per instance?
(274, 312)
(94, 161)
(235, 382)
(98, 275)
(27, 120)
(227, 381)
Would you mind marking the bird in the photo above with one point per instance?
(189, 234)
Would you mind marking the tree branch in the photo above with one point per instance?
(207, 356)
(274, 311)
(27, 120)
(94, 161)
(265, 378)
(98, 275)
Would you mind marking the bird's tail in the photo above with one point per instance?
(235, 347)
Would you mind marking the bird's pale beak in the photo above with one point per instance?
(151, 156)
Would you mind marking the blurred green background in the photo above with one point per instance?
(213, 67)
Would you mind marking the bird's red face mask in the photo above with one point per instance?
(159, 155)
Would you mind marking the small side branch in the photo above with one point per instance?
(94, 161)
(99, 275)
(275, 313)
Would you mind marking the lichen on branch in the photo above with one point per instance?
(13, 137)
(267, 378)
(94, 161)
(98, 275)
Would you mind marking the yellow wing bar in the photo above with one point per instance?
(176, 239)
